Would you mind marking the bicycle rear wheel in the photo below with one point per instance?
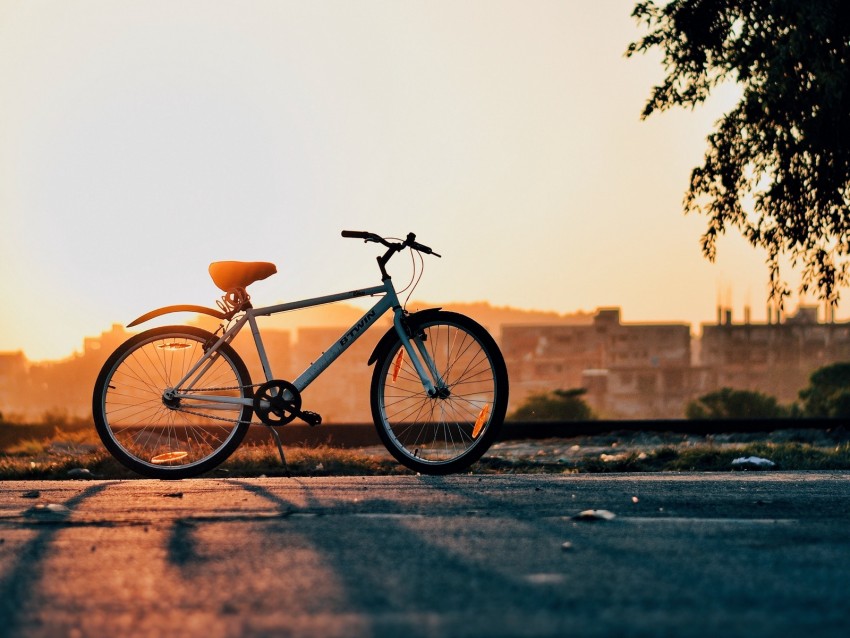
(163, 437)
(450, 431)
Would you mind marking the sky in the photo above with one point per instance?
(140, 141)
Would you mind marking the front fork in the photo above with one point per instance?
(420, 358)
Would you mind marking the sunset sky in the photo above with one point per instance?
(140, 141)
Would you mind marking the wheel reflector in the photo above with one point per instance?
(397, 365)
(481, 420)
(173, 346)
(168, 457)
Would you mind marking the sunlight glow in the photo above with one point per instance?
(506, 134)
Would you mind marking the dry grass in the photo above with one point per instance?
(64, 452)
(694, 458)
(263, 459)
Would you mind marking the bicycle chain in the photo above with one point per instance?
(232, 387)
(217, 418)
(221, 418)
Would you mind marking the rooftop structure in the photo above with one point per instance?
(631, 370)
(776, 357)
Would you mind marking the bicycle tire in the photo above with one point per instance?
(161, 440)
(447, 434)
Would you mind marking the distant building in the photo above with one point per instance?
(773, 358)
(64, 387)
(640, 370)
(14, 380)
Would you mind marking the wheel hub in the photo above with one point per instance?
(441, 393)
(169, 399)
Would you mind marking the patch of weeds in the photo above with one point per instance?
(623, 462)
(42, 467)
(104, 466)
(28, 447)
(702, 459)
(666, 455)
(257, 460)
(711, 458)
(802, 456)
(499, 465)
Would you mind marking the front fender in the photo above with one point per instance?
(179, 308)
(391, 335)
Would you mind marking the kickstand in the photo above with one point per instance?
(276, 437)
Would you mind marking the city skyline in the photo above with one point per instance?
(142, 141)
(339, 316)
(628, 369)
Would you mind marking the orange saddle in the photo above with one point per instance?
(229, 275)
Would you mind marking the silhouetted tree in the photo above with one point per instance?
(727, 403)
(828, 394)
(786, 144)
(558, 405)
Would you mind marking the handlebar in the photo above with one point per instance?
(409, 242)
(392, 246)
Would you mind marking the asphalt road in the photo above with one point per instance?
(737, 554)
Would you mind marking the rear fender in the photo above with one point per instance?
(179, 308)
(391, 335)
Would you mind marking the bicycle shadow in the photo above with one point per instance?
(20, 580)
(410, 573)
(182, 545)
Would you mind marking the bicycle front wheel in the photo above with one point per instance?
(450, 430)
(168, 432)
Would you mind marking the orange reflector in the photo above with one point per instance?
(168, 457)
(397, 365)
(174, 345)
(481, 420)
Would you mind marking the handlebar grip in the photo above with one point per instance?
(421, 248)
(356, 234)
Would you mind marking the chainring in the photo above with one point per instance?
(277, 402)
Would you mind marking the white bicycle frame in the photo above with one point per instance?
(431, 379)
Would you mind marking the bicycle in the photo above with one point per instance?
(176, 401)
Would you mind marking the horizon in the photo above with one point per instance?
(506, 135)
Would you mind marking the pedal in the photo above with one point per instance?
(311, 418)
